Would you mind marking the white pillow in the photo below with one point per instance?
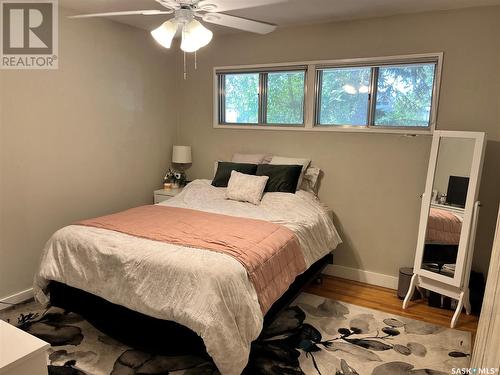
(280, 160)
(251, 158)
(245, 187)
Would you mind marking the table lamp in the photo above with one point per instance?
(181, 155)
(181, 160)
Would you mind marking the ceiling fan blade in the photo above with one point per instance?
(152, 12)
(226, 5)
(169, 4)
(239, 23)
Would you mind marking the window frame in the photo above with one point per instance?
(262, 95)
(311, 93)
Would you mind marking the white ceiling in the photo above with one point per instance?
(291, 12)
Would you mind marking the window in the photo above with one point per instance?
(404, 95)
(285, 98)
(241, 98)
(343, 96)
(396, 96)
(392, 94)
(262, 98)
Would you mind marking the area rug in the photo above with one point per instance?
(315, 336)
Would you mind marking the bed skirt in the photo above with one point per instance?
(154, 335)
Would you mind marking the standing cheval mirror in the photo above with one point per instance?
(448, 218)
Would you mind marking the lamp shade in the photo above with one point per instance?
(181, 155)
(195, 36)
(165, 33)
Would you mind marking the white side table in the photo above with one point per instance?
(165, 194)
(20, 352)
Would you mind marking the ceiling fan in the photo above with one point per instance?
(193, 34)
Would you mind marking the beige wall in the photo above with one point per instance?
(90, 138)
(95, 136)
(372, 181)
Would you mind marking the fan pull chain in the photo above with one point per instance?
(195, 61)
(185, 72)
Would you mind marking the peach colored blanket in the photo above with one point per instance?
(443, 227)
(269, 252)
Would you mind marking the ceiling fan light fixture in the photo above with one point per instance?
(165, 33)
(195, 36)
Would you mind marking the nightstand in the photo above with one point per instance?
(20, 352)
(163, 194)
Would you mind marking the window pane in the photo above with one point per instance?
(404, 95)
(242, 98)
(344, 96)
(285, 97)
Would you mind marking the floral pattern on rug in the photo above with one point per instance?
(315, 336)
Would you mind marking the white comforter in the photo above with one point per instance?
(208, 292)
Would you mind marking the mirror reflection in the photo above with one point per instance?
(449, 194)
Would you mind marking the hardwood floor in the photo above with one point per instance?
(383, 299)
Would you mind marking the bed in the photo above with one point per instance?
(443, 227)
(207, 292)
(442, 237)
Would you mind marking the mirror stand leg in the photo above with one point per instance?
(411, 290)
(467, 301)
(458, 310)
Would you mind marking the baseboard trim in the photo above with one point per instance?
(363, 276)
(16, 298)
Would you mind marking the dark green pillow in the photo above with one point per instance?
(282, 178)
(224, 169)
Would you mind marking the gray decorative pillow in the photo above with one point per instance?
(310, 181)
(246, 188)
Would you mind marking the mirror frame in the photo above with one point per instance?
(465, 246)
